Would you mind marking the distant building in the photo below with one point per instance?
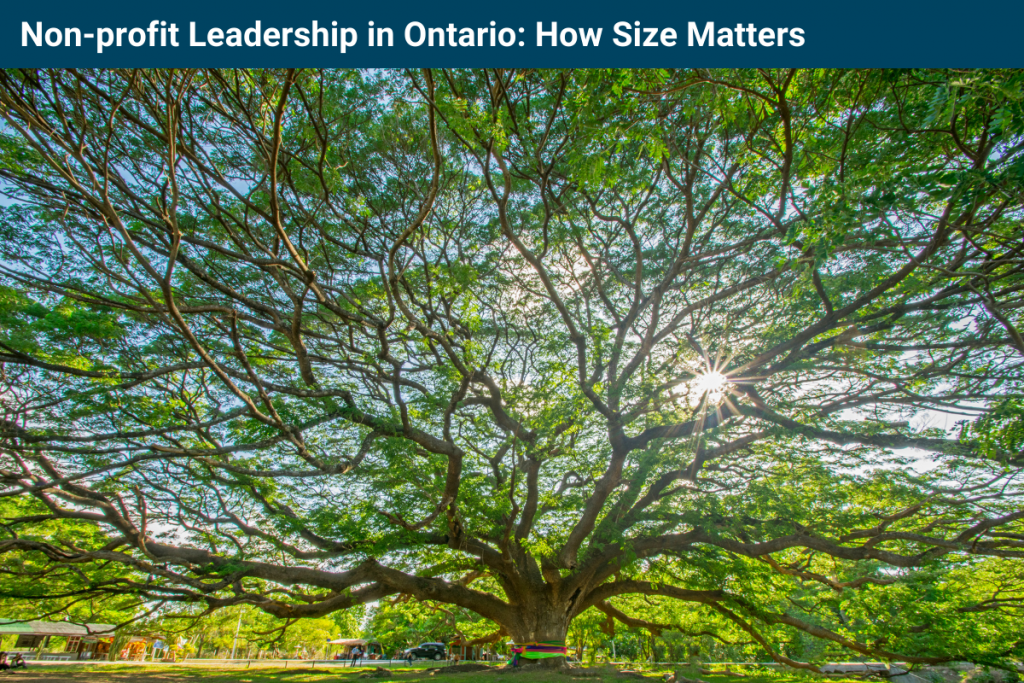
(84, 641)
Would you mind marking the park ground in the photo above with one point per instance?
(177, 673)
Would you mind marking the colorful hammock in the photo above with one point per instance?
(539, 650)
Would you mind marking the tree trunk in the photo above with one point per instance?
(541, 623)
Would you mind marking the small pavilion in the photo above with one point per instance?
(371, 649)
(84, 641)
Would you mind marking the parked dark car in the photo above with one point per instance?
(435, 651)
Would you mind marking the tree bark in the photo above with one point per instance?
(537, 623)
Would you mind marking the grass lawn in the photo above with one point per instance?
(300, 672)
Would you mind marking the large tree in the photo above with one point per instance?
(524, 342)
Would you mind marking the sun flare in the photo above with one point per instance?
(712, 383)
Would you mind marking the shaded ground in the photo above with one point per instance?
(301, 673)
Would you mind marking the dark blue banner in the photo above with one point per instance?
(525, 34)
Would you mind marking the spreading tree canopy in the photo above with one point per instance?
(731, 352)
